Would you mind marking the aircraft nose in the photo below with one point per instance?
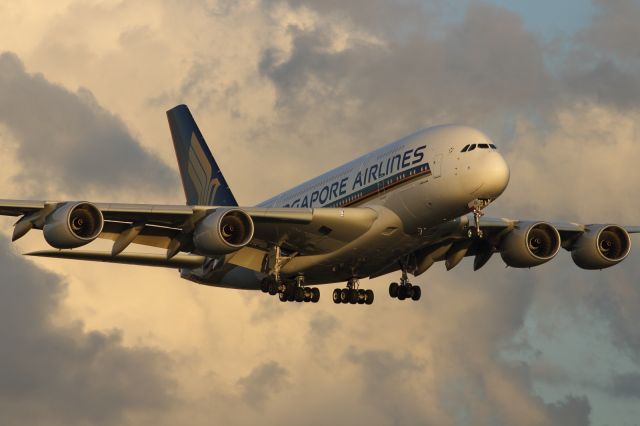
(496, 175)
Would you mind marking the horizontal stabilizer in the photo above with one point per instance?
(176, 262)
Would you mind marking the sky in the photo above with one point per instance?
(284, 90)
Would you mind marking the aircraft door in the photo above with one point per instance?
(436, 167)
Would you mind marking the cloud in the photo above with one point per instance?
(475, 71)
(262, 382)
(571, 411)
(67, 143)
(627, 385)
(61, 373)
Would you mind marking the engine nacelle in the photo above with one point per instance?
(223, 231)
(601, 247)
(530, 245)
(73, 225)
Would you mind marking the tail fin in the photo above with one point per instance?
(202, 179)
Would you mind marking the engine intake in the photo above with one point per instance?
(73, 225)
(601, 246)
(530, 245)
(223, 231)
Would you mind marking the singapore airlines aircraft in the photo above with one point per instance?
(402, 207)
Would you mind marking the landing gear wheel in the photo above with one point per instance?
(307, 294)
(361, 296)
(299, 294)
(283, 296)
(393, 289)
(344, 295)
(273, 287)
(368, 297)
(353, 296)
(337, 295)
(315, 295)
(402, 292)
(264, 285)
(291, 293)
(416, 292)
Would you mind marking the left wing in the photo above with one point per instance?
(521, 243)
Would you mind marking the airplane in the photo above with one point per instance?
(402, 207)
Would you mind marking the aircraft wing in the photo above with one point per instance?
(299, 230)
(452, 241)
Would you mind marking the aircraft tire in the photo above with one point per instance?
(402, 292)
(336, 295)
(353, 296)
(368, 297)
(315, 295)
(298, 294)
(393, 290)
(361, 296)
(344, 295)
(264, 285)
(416, 292)
(283, 297)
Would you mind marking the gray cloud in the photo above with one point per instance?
(572, 411)
(68, 143)
(57, 374)
(476, 71)
(627, 385)
(262, 382)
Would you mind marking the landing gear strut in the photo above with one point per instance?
(287, 291)
(290, 291)
(352, 294)
(404, 290)
(476, 207)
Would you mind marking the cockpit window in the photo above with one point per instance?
(472, 147)
(483, 146)
(492, 146)
(465, 148)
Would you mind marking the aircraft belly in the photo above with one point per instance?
(385, 241)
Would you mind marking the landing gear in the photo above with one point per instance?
(353, 295)
(404, 290)
(476, 207)
(290, 292)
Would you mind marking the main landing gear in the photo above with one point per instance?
(352, 294)
(404, 290)
(290, 292)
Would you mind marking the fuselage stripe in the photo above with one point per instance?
(375, 189)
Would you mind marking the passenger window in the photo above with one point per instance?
(483, 146)
(493, 146)
(465, 148)
(472, 147)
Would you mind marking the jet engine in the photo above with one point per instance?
(601, 247)
(73, 225)
(531, 244)
(223, 231)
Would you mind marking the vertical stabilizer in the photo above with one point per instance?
(202, 179)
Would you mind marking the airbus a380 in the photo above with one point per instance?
(402, 207)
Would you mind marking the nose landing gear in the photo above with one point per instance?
(353, 295)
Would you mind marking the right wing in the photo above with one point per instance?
(300, 231)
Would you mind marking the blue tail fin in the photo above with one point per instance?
(201, 177)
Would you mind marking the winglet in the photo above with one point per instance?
(202, 179)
